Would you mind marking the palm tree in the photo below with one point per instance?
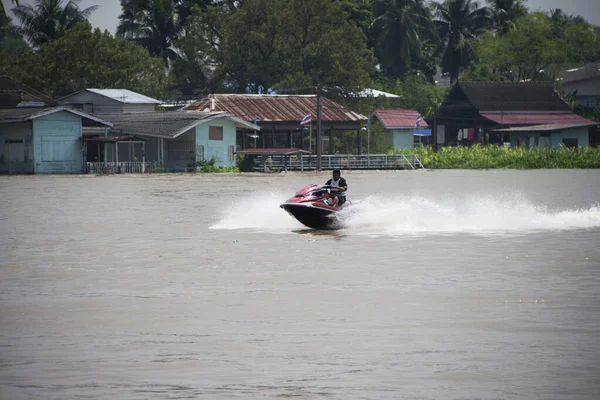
(153, 24)
(48, 20)
(401, 28)
(456, 21)
(506, 12)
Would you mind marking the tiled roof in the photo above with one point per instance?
(496, 96)
(276, 108)
(398, 118)
(536, 118)
(168, 124)
(16, 94)
(22, 114)
(125, 96)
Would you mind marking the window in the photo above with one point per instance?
(215, 133)
(180, 150)
(570, 142)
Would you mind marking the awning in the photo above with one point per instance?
(273, 152)
(535, 119)
(113, 139)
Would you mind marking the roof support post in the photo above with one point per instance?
(319, 143)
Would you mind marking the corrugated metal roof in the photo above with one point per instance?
(497, 96)
(398, 118)
(15, 94)
(125, 96)
(168, 124)
(12, 115)
(536, 118)
(544, 128)
(276, 108)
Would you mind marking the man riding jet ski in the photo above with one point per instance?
(318, 207)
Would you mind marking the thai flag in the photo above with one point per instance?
(418, 121)
(305, 120)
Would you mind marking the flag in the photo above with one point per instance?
(418, 121)
(305, 120)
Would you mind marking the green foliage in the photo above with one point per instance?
(209, 166)
(246, 163)
(537, 48)
(47, 20)
(484, 157)
(85, 58)
(456, 22)
(153, 24)
(403, 29)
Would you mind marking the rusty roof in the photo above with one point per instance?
(276, 108)
(398, 118)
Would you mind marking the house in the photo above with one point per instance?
(36, 135)
(584, 83)
(499, 112)
(279, 118)
(177, 140)
(110, 101)
(401, 127)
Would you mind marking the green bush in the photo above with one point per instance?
(484, 157)
(246, 163)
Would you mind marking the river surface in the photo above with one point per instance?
(444, 285)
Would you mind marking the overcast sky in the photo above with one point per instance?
(106, 17)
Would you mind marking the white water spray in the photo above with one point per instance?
(414, 214)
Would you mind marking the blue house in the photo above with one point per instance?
(176, 140)
(36, 135)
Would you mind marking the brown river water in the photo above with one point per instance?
(443, 285)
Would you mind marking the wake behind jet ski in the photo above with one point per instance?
(313, 207)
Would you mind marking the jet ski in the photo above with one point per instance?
(312, 206)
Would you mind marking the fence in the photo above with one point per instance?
(309, 162)
(126, 167)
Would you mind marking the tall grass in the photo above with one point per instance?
(484, 157)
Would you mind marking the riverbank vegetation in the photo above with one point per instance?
(491, 157)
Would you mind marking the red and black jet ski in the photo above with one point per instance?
(312, 206)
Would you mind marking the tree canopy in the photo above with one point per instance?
(86, 58)
(257, 46)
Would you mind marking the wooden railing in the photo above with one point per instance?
(350, 161)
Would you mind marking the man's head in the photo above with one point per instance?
(336, 174)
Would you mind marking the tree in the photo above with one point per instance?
(322, 48)
(153, 24)
(506, 12)
(48, 20)
(83, 58)
(457, 21)
(402, 27)
(263, 44)
(200, 68)
(532, 51)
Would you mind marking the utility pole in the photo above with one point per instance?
(319, 144)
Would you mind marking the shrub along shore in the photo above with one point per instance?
(484, 157)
